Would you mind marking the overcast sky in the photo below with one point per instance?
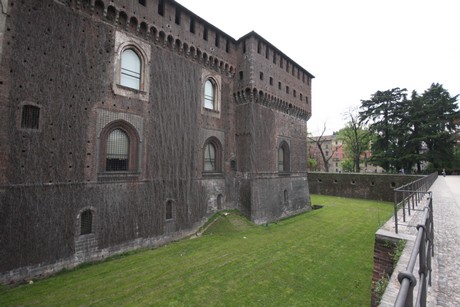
(353, 48)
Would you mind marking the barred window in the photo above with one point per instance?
(30, 118)
(117, 151)
(86, 222)
(130, 69)
(119, 148)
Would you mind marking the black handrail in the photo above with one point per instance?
(423, 248)
(411, 194)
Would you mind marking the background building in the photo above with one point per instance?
(127, 123)
(335, 155)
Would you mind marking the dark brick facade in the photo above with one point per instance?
(63, 58)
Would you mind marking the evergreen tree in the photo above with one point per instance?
(411, 131)
(383, 113)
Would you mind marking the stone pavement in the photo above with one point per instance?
(445, 289)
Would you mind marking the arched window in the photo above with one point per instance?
(130, 69)
(209, 158)
(212, 155)
(117, 154)
(210, 95)
(119, 147)
(283, 157)
(86, 222)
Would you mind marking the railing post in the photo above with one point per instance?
(422, 263)
(404, 209)
(396, 210)
(408, 203)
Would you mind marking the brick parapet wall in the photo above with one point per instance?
(356, 185)
(384, 263)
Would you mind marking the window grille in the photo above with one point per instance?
(117, 151)
(30, 117)
(209, 158)
(130, 69)
(209, 95)
(86, 222)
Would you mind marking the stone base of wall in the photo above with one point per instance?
(87, 251)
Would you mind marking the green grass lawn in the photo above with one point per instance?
(319, 258)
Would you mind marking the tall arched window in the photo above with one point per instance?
(212, 158)
(209, 158)
(117, 154)
(210, 95)
(283, 157)
(130, 69)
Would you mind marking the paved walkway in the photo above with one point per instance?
(445, 290)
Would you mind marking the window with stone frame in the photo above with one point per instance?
(119, 147)
(131, 69)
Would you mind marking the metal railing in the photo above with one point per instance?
(423, 248)
(409, 195)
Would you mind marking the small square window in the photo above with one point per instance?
(30, 117)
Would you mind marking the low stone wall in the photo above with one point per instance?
(358, 185)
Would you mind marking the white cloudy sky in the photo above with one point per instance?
(354, 47)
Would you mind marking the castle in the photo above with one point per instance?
(126, 124)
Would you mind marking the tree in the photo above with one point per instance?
(348, 165)
(355, 138)
(383, 113)
(404, 127)
(312, 163)
(319, 142)
(439, 126)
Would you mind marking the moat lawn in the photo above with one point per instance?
(320, 258)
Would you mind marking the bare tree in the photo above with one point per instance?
(325, 156)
